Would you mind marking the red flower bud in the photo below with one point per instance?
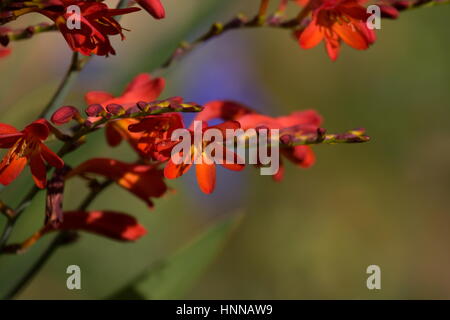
(64, 115)
(154, 7)
(94, 110)
(114, 108)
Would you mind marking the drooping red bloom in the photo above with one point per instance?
(334, 21)
(115, 225)
(307, 121)
(142, 88)
(144, 181)
(26, 146)
(154, 7)
(206, 168)
(97, 23)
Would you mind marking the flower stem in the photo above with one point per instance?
(61, 238)
(66, 84)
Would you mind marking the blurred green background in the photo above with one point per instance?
(310, 236)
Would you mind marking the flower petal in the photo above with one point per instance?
(7, 129)
(115, 225)
(206, 177)
(222, 109)
(38, 128)
(97, 97)
(351, 35)
(113, 137)
(173, 171)
(311, 36)
(9, 172)
(52, 158)
(142, 88)
(235, 164)
(38, 170)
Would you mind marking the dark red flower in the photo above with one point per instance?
(97, 23)
(155, 131)
(26, 146)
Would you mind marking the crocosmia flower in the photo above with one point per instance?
(205, 166)
(26, 146)
(305, 122)
(96, 24)
(155, 131)
(142, 88)
(334, 21)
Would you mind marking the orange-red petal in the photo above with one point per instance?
(9, 172)
(206, 177)
(173, 171)
(311, 36)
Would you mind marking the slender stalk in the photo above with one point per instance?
(6, 210)
(66, 84)
(30, 31)
(61, 238)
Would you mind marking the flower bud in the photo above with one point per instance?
(114, 108)
(154, 7)
(65, 114)
(94, 110)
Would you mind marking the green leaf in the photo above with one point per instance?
(173, 277)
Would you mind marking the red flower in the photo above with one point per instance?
(154, 7)
(26, 146)
(336, 20)
(115, 225)
(154, 132)
(141, 88)
(307, 121)
(144, 181)
(206, 170)
(96, 25)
